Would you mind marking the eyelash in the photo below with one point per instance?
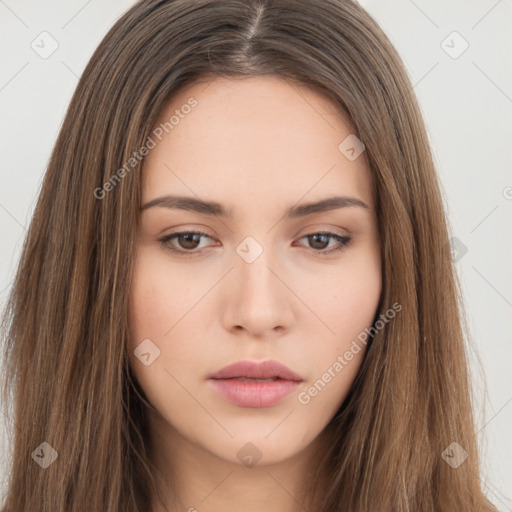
(344, 241)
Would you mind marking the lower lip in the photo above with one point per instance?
(254, 394)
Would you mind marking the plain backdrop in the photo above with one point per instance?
(457, 54)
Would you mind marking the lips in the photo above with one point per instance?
(251, 384)
(265, 370)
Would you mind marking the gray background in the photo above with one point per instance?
(466, 99)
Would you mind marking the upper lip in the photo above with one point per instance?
(257, 370)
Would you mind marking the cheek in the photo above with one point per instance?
(346, 298)
(347, 307)
(153, 311)
(358, 301)
(147, 319)
(154, 308)
(164, 309)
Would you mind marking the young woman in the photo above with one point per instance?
(237, 290)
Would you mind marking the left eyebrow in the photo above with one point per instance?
(331, 203)
(214, 208)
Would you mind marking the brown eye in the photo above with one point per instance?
(186, 241)
(320, 241)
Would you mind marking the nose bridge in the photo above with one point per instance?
(253, 270)
(258, 300)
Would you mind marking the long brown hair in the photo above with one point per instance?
(67, 376)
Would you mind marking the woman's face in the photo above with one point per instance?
(260, 283)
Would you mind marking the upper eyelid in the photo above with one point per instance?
(203, 233)
(310, 229)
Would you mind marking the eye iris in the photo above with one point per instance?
(193, 238)
(324, 240)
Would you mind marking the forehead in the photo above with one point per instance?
(262, 138)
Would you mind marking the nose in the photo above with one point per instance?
(258, 301)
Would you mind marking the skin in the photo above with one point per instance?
(258, 146)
